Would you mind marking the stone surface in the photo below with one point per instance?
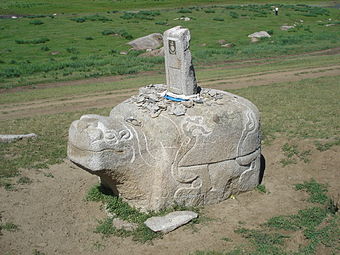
(180, 73)
(260, 34)
(285, 28)
(170, 221)
(221, 42)
(154, 53)
(228, 45)
(255, 40)
(152, 41)
(12, 138)
(154, 158)
(156, 153)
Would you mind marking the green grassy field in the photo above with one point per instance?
(44, 48)
(88, 6)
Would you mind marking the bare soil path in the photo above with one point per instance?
(110, 99)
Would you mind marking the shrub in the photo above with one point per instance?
(184, 11)
(72, 50)
(121, 32)
(218, 19)
(146, 15)
(209, 11)
(95, 17)
(34, 41)
(45, 48)
(234, 15)
(36, 22)
(161, 23)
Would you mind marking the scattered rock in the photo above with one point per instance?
(285, 28)
(228, 45)
(170, 221)
(53, 53)
(203, 44)
(125, 225)
(260, 34)
(329, 25)
(177, 109)
(13, 138)
(154, 53)
(123, 53)
(152, 41)
(221, 42)
(188, 104)
(254, 39)
(185, 18)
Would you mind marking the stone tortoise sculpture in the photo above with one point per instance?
(155, 153)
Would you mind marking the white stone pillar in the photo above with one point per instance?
(180, 73)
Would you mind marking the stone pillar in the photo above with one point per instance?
(180, 73)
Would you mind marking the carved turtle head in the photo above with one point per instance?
(100, 143)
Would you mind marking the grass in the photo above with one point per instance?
(319, 224)
(294, 108)
(292, 154)
(24, 180)
(36, 8)
(8, 226)
(316, 191)
(49, 148)
(203, 74)
(116, 206)
(95, 58)
(261, 188)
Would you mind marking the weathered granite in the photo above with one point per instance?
(180, 73)
(285, 27)
(13, 138)
(152, 41)
(170, 222)
(155, 152)
(154, 158)
(260, 34)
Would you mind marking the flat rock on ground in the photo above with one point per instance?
(260, 34)
(152, 41)
(285, 28)
(170, 221)
(12, 138)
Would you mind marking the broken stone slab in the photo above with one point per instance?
(260, 34)
(177, 109)
(152, 41)
(12, 138)
(170, 221)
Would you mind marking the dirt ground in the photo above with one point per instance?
(108, 99)
(54, 218)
